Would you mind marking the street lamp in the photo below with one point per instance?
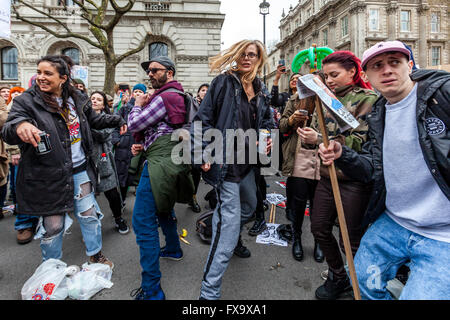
(264, 10)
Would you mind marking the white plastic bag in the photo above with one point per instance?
(90, 280)
(45, 281)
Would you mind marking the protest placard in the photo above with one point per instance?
(310, 85)
(81, 72)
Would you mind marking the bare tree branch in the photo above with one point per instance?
(41, 12)
(88, 15)
(120, 11)
(123, 9)
(92, 3)
(69, 34)
(136, 50)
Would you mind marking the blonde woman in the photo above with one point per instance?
(236, 99)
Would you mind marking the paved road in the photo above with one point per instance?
(269, 274)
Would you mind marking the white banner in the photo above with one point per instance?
(81, 72)
(5, 19)
(310, 85)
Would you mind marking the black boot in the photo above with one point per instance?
(193, 204)
(333, 288)
(297, 249)
(258, 227)
(318, 254)
(240, 250)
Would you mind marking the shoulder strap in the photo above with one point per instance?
(174, 90)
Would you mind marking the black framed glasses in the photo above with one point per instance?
(154, 70)
(250, 55)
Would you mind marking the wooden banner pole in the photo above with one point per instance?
(338, 202)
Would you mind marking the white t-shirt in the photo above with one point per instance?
(414, 199)
(73, 124)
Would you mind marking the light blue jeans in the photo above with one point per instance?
(91, 227)
(236, 204)
(386, 246)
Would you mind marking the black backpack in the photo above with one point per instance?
(203, 226)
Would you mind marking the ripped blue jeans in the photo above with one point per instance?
(51, 229)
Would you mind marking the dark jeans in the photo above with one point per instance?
(12, 182)
(145, 226)
(115, 202)
(123, 192)
(298, 192)
(3, 192)
(196, 176)
(261, 192)
(355, 198)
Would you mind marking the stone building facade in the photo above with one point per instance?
(356, 25)
(188, 31)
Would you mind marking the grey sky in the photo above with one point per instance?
(243, 21)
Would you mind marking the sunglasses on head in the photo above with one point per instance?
(153, 70)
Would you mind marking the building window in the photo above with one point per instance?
(435, 56)
(405, 20)
(73, 53)
(9, 63)
(435, 22)
(68, 3)
(344, 26)
(158, 49)
(373, 19)
(325, 37)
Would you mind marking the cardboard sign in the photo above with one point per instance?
(310, 85)
(275, 198)
(271, 236)
(5, 19)
(80, 72)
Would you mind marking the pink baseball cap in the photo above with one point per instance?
(384, 46)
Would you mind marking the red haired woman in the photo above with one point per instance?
(342, 75)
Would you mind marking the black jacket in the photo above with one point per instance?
(433, 101)
(220, 110)
(122, 146)
(279, 100)
(44, 183)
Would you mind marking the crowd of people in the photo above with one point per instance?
(393, 169)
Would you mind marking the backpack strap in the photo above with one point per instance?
(174, 90)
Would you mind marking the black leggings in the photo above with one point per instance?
(298, 192)
(123, 192)
(115, 202)
(196, 175)
(261, 193)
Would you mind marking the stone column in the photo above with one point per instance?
(423, 11)
(358, 27)
(332, 33)
(392, 19)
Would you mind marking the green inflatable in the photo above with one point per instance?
(314, 55)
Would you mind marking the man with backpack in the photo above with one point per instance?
(163, 183)
(406, 156)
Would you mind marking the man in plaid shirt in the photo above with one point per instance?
(152, 120)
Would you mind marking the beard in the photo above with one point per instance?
(158, 83)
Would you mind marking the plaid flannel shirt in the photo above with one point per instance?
(152, 120)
